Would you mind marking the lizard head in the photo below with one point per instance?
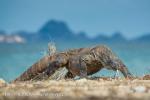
(117, 64)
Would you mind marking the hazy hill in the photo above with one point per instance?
(144, 38)
(59, 32)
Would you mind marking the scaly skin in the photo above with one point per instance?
(98, 58)
(49, 62)
(82, 62)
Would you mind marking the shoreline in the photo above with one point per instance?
(108, 89)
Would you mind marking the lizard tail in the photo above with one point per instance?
(34, 70)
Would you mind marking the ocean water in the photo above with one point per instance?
(15, 59)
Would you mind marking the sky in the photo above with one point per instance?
(130, 17)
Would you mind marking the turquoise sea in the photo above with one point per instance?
(16, 58)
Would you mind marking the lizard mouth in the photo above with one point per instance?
(126, 72)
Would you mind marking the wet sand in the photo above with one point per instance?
(103, 89)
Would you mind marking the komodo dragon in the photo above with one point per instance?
(81, 62)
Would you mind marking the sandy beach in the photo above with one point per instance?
(103, 89)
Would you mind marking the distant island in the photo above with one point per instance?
(59, 31)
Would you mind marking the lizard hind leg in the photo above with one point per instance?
(69, 75)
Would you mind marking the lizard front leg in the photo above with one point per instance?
(82, 68)
(77, 66)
